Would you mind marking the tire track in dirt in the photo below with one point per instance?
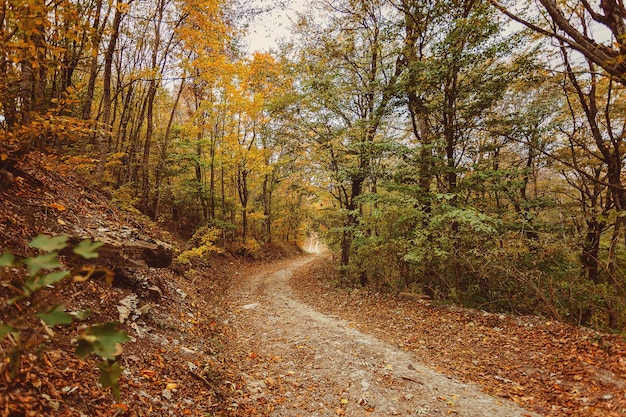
(295, 361)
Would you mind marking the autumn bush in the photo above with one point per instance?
(250, 248)
(203, 243)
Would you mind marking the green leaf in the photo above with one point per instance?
(53, 277)
(36, 264)
(35, 283)
(103, 339)
(5, 329)
(49, 243)
(8, 259)
(56, 315)
(15, 357)
(85, 347)
(81, 315)
(87, 249)
(31, 286)
(110, 377)
(14, 299)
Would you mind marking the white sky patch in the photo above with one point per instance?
(269, 28)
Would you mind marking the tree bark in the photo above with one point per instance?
(96, 38)
(104, 136)
(611, 59)
(158, 175)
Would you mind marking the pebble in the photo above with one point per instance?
(167, 394)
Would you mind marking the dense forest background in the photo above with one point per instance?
(469, 150)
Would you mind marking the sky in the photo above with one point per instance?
(270, 27)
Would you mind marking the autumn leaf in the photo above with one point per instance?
(58, 206)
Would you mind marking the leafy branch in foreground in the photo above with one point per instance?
(45, 271)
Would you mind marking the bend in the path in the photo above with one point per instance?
(300, 362)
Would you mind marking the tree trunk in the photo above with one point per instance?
(145, 160)
(590, 256)
(124, 117)
(152, 90)
(200, 180)
(132, 166)
(212, 151)
(267, 209)
(352, 220)
(104, 135)
(242, 189)
(96, 38)
(158, 174)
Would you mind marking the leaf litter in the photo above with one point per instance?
(551, 368)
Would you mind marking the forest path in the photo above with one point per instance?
(296, 361)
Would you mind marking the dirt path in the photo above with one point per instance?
(299, 362)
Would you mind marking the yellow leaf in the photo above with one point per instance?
(171, 386)
(58, 206)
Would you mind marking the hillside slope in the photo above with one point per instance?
(171, 365)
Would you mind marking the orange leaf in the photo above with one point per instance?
(58, 206)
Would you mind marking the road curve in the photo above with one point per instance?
(296, 361)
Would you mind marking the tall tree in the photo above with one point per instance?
(104, 136)
(351, 78)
